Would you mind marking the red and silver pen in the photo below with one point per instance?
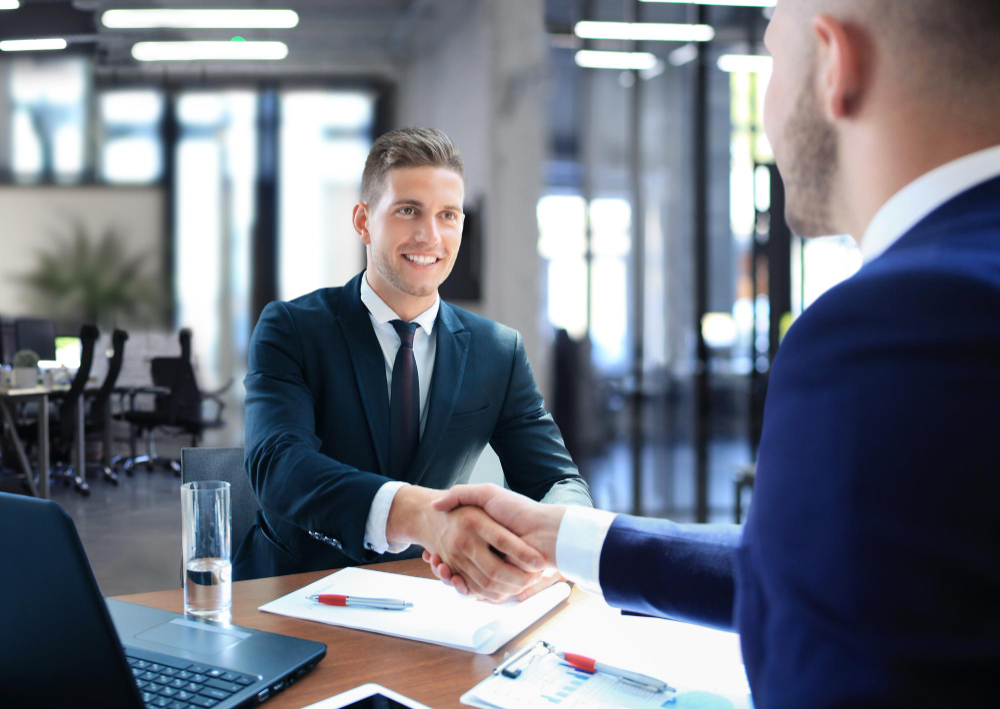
(590, 665)
(335, 599)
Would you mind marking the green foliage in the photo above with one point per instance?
(25, 359)
(85, 280)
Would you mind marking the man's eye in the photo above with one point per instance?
(406, 211)
(449, 215)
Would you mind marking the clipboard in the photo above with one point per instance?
(536, 678)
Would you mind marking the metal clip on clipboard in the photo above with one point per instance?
(514, 665)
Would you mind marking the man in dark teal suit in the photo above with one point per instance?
(365, 400)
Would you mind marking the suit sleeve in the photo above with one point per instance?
(677, 571)
(530, 447)
(292, 479)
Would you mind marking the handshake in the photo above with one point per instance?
(481, 539)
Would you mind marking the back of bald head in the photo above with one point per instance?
(935, 49)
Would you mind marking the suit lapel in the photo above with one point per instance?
(449, 369)
(369, 367)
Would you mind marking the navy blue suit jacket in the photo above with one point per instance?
(317, 427)
(868, 573)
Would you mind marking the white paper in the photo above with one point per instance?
(439, 615)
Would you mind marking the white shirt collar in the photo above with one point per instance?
(384, 314)
(924, 195)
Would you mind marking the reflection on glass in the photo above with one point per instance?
(325, 138)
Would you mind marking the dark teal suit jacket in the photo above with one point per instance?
(317, 427)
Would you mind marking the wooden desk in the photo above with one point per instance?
(434, 675)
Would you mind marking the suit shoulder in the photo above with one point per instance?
(484, 328)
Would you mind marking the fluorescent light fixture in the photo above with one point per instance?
(208, 51)
(594, 59)
(32, 45)
(199, 19)
(9, 4)
(644, 31)
(746, 63)
(730, 3)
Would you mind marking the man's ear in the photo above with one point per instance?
(360, 219)
(838, 66)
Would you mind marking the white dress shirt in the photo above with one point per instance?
(424, 352)
(924, 195)
(583, 530)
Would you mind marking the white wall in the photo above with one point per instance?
(482, 83)
(31, 216)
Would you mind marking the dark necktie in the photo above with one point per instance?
(404, 403)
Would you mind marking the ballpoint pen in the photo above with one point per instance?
(334, 599)
(635, 678)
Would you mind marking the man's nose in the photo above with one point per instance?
(428, 232)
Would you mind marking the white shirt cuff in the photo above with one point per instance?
(378, 517)
(579, 543)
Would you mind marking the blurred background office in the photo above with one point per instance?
(167, 172)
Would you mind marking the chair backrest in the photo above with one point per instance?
(184, 399)
(224, 464)
(68, 403)
(100, 400)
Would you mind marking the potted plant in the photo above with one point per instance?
(25, 370)
(83, 278)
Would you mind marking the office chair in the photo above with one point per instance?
(224, 464)
(99, 412)
(179, 410)
(63, 430)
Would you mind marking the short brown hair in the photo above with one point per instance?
(407, 147)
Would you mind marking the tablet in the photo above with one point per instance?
(368, 696)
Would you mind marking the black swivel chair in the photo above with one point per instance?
(179, 410)
(98, 422)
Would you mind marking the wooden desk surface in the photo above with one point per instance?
(434, 675)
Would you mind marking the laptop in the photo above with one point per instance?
(62, 644)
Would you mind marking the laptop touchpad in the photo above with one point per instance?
(192, 636)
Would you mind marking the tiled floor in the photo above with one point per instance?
(132, 531)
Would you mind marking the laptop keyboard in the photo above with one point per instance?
(185, 685)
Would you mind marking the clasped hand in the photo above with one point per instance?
(534, 526)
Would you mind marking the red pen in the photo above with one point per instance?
(335, 599)
(591, 665)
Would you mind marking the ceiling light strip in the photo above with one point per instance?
(199, 19)
(596, 59)
(644, 31)
(208, 51)
(33, 45)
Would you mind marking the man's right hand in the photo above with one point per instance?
(535, 523)
(463, 538)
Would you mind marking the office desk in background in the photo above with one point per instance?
(438, 676)
(42, 395)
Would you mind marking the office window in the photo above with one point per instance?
(324, 138)
(562, 242)
(131, 152)
(216, 174)
(48, 119)
(611, 224)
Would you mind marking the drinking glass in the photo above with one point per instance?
(205, 536)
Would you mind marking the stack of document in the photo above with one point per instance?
(439, 615)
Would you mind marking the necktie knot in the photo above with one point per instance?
(406, 331)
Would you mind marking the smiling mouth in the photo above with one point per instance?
(421, 260)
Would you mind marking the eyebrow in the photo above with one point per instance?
(418, 203)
